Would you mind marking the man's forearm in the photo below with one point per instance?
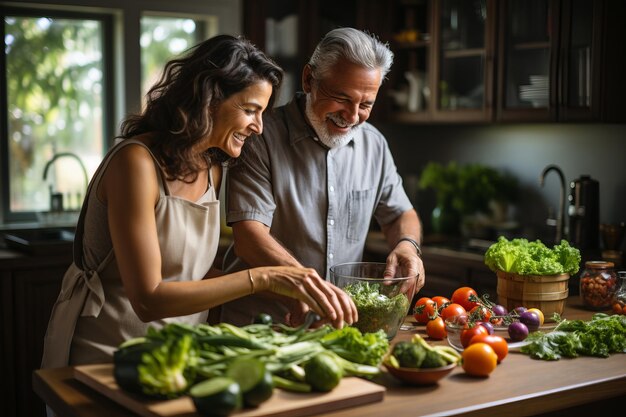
(407, 225)
(256, 247)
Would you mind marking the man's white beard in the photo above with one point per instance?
(320, 128)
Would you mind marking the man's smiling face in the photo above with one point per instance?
(341, 102)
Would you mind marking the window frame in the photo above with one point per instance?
(108, 82)
(124, 90)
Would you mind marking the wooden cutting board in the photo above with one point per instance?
(350, 392)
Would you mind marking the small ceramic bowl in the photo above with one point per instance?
(420, 376)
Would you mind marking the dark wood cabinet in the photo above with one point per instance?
(289, 30)
(29, 288)
(506, 61)
(557, 60)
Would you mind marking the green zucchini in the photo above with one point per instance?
(219, 396)
(257, 385)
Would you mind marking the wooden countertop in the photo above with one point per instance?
(519, 386)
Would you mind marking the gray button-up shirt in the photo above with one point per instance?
(318, 202)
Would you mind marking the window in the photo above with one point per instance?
(69, 74)
(164, 37)
(54, 109)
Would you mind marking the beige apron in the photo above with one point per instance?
(92, 315)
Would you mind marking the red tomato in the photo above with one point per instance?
(465, 296)
(469, 333)
(497, 343)
(480, 313)
(452, 310)
(436, 329)
(440, 300)
(424, 309)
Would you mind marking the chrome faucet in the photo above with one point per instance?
(560, 217)
(56, 156)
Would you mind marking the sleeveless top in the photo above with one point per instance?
(92, 314)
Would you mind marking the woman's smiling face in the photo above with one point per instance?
(238, 117)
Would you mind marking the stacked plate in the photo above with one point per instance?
(537, 92)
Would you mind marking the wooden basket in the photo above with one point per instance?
(548, 293)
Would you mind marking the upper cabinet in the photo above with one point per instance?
(528, 60)
(507, 60)
(468, 60)
(289, 30)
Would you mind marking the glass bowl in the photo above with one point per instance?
(382, 303)
(454, 327)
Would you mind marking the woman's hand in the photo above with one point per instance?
(305, 284)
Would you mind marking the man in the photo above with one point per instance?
(310, 184)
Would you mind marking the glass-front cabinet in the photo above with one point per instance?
(550, 60)
(463, 59)
(468, 60)
(408, 89)
(527, 60)
(580, 69)
(444, 68)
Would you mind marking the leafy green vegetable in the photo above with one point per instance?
(377, 309)
(523, 257)
(602, 336)
(168, 370)
(351, 344)
(166, 362)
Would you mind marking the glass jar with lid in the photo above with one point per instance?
(619, 305)
(598, 285)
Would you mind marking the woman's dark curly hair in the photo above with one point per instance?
(179, 106)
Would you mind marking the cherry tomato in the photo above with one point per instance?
(497, 343)
(424, 309)
(451, 310)
(436, 329)
(462, 296)
(539, 314)
(440, 300)
(480, 313)
(479, 359)
(496, 321)
(467, 334)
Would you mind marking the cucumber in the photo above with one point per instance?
(254, 379)
(323, 372)
(219, 396)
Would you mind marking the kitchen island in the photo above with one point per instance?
(520, 386)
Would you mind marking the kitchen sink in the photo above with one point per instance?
(41, 241)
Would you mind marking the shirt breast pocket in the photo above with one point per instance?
(359, 214)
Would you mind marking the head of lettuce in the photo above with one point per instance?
(523, 257)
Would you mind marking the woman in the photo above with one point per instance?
(149, 227)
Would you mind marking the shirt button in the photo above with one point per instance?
(332, 222)
(330, 256)
(332, 188)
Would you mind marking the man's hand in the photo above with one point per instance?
(403, 261)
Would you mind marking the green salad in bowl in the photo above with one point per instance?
(382, 303)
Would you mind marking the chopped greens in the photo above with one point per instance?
(600, 337)
(377, 309)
